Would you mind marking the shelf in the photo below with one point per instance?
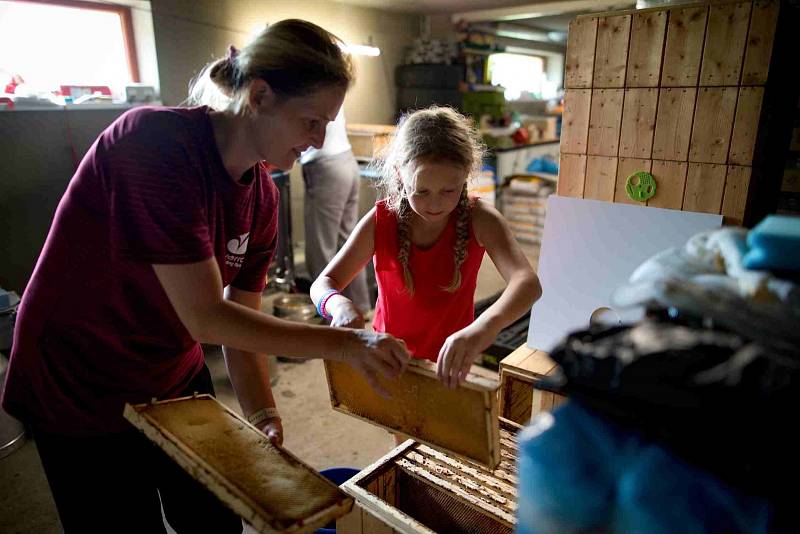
(520, 147)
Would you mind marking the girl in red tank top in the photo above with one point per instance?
(427, 238)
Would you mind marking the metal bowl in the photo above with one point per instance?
(296, 307)
(12, 433)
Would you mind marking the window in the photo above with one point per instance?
(519, 74)
(54, 43)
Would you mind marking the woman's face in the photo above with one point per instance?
(433, 189)
(282, 128)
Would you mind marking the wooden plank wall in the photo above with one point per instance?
(675, 91)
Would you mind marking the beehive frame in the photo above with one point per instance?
(264, 484)
(462, 421)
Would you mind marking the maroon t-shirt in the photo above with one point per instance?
(95, 328)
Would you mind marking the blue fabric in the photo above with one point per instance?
(542, 165)
(774, 244)
(578, 472)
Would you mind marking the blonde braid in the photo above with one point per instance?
(462, 237)
(404, 242)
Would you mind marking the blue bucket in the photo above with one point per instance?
(337, 475)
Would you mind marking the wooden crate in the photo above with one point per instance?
(418, 490)
(265, 485)
(462, 421)
(678, 91)
(367, 140)
(520, 371)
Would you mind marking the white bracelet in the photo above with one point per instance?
(262, 415)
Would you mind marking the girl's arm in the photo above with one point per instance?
(348, 262)
(462, 348)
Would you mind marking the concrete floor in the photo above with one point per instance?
(313, 431)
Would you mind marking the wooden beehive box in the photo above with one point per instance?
(265, 485)
(462, 421)
(418, 490)
(367, 140)
(520, 373)
(678, 92)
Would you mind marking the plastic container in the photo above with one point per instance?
(337, 475)
(774, 244)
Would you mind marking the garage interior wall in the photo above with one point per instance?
(190, 33)
(37, 154)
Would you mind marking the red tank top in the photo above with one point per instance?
(424, 319)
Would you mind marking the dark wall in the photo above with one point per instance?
(36, 164)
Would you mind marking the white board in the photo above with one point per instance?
(589, 249)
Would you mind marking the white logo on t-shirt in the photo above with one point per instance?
(239, 246)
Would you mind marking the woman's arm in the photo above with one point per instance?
(195, 292)
(462, 348)
(348, 262)
(249, 373)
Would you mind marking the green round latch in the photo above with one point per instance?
(640, 186)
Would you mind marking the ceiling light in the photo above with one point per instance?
(361, 50)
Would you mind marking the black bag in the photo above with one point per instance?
(719, 401)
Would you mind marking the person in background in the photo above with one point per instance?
(332, 179)
(161, 242)
(428, 238)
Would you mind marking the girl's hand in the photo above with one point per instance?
(273, 428)
(458, 353)
(345, 314)
(371, 353)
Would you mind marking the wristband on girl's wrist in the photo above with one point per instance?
(323, 301)
(256, 418)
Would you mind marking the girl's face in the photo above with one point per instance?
(283, 128)
(433, 189)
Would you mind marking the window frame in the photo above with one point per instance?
(126, 20)
(517, 51)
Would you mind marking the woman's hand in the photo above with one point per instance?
(459, 352)
(273, 428)
(344, 313)
(371, 353)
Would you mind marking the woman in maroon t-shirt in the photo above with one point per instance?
(162, 242)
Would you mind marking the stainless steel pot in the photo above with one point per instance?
(296, 307)
(12, 433)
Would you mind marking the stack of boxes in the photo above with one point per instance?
(483, 186)
(523, 206)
